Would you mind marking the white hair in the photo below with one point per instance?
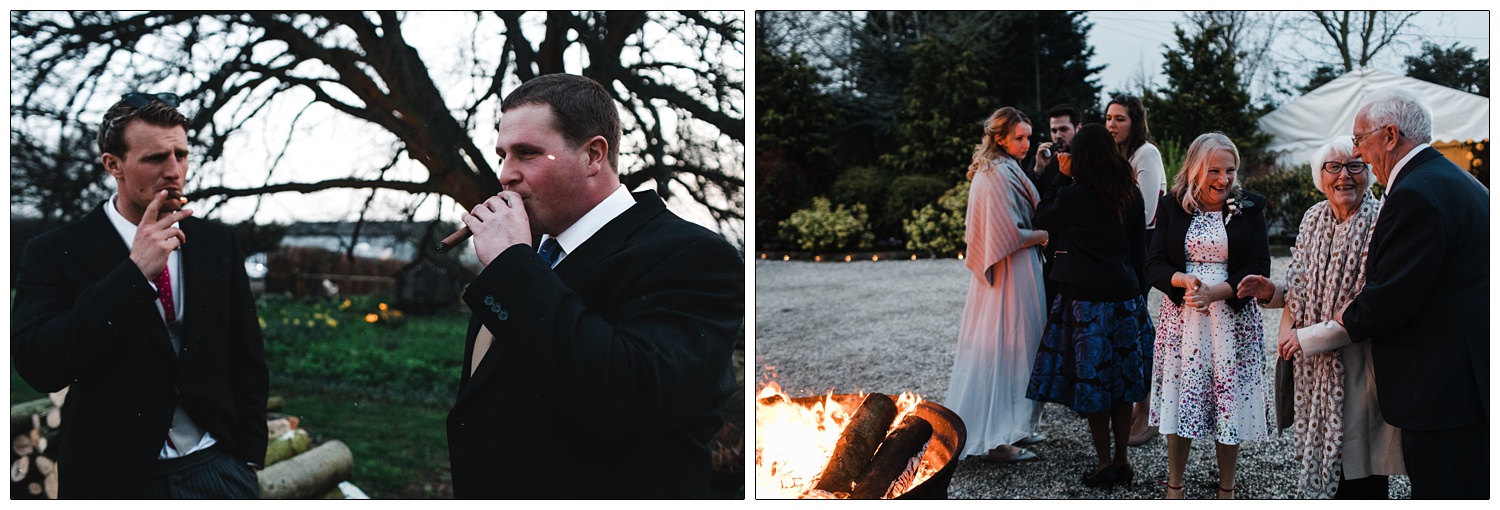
(1338, 147)
(1399, 106)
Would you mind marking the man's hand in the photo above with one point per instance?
(497, 224)
(155, 237)
(1041, 162)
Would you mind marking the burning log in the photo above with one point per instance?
(893, 459)
(857, 444)
(308, 475)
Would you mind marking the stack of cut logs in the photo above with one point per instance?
(873, 463)
(294, 469)
(34, 428)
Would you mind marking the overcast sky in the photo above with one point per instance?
(1128, 42)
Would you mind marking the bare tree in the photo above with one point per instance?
(679, 77)
(1250, 36)
(1356, 37)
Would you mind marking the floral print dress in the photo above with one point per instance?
(1209, 375)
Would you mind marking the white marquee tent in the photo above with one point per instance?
(1327, 112)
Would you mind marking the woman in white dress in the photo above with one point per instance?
(1344, 447)
(1209, 374)
(1003, 315)
(1125, 118)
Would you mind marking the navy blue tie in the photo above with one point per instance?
(550, 251)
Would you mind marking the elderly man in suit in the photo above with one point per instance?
(594, 367)
(1425, 304)
(156, 339)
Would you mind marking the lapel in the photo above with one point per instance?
(598, 248)
(100, 250)
(1414, 165)
(197, 283)
(610, 239)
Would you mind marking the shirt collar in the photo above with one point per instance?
(124, 227)
(612, 206)
(1402, 164)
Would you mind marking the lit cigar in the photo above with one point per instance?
(453, 239)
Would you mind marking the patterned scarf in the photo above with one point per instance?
(1327, 271)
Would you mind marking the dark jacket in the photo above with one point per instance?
(1249, 248)
(1425, 304)
(607, 374)
(85, 318)
(1097, 257)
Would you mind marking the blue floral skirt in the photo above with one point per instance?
(1094, 354)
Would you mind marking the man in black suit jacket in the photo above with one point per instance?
(157, 341)
(1425, 303)
(601, 376)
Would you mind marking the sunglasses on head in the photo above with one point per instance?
(141, 99)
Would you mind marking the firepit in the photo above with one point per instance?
(795, 439)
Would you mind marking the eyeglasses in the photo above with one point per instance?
(141, 99)
(1354, 167)
(1364, 134)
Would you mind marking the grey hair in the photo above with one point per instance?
(1338, 147)
(1402, 107)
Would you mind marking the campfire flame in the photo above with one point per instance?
(793, 443)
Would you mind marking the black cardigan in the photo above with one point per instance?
(1249, 248)
(1097, 257)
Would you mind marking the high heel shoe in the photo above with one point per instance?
(1102, 476)
(1124, 474)
(1226, 493)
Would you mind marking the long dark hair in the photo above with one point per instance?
(1139, 133)
(1097, 162)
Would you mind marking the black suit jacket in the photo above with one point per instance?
(1425, 304)
(1249, 248)
(606, 375)
(1098, 257)
(85, 318)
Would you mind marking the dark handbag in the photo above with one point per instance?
(1285, 394)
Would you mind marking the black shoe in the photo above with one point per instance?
(1102, 476)
(1124, 474)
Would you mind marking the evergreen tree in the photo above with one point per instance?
(941, 111)
(794, 119)
(1454, 67)
(1320, 76)
(1204, 93)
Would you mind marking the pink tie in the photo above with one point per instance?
(164, 286)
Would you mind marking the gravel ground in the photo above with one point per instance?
(892, 326)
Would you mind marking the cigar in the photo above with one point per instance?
(453, 239)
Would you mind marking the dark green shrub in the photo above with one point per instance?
(939, 227)
(823, 228)
(909, 193)
(1288, 195)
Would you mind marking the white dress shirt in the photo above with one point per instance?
(611, 207)
(126, 229)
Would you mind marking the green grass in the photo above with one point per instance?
(400, 447)
(20, 392)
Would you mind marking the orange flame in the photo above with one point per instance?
(793, 442)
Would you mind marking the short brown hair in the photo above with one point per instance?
(581, 108)
(112, 130)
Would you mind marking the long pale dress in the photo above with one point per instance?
(1003, 315)
(1209, 373)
